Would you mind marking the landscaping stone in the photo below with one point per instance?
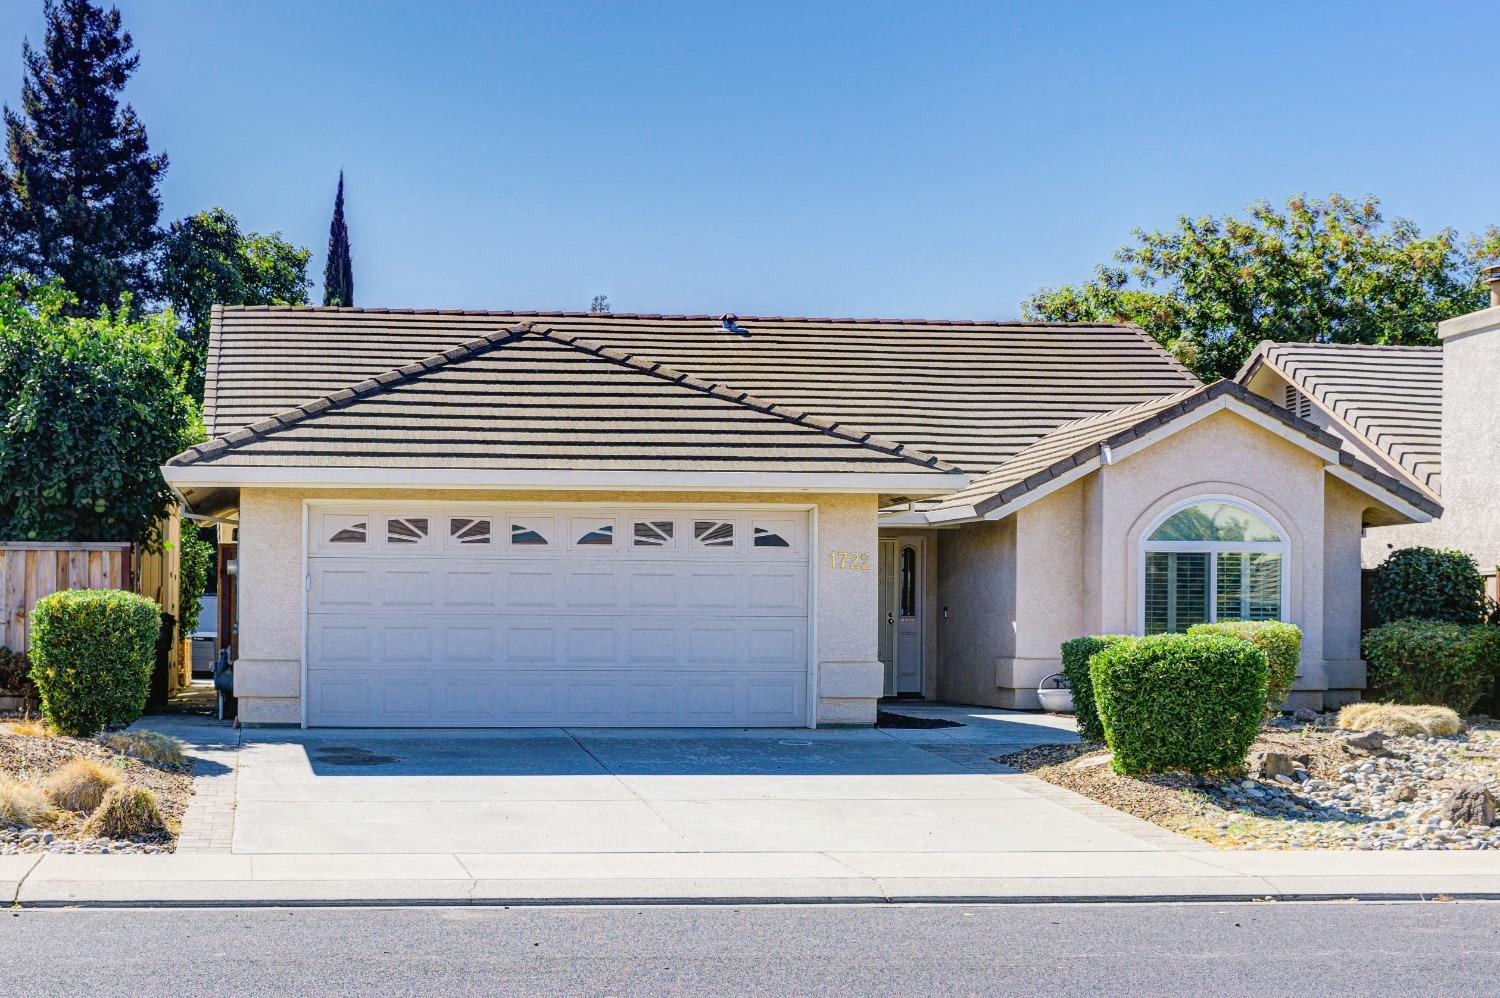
(1305, 715)
(1277, 764)
(1471, 805)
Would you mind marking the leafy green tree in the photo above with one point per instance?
(1315, 271)
(78, 195)
(207, 261)
(89, 409)
(338, 271)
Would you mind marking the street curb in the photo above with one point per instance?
(762, 901)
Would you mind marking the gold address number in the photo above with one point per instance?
(851, 561)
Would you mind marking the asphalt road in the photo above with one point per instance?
(1349, 948)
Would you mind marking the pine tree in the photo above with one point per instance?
(78, 195)
(338, 272)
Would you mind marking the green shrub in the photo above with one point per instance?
(1282, 644)
(1432, 662)
(1180, 702)
(1429, 584)
(1075, 666)
(92, 652)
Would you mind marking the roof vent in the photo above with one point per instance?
(731, 323)
(1297, 403)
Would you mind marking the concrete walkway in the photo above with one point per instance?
(487, 817)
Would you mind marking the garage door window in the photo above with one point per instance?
(772, 534)
(597, 534)
(406, 531)
(652, 534)
(714, 533)
(348, 530)
(529, 533)
(470, 530)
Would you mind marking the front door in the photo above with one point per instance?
(901, 613)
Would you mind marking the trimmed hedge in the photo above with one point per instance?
(1180, 702)
(1075, 667)
(92, 652)
(1432, 662)
(1282, 644)
(1429, 584)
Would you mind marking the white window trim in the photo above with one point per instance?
(1144, 546)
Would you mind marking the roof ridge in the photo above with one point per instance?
(694, 317)
(481, 344)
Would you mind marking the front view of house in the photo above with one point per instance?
(476, 519)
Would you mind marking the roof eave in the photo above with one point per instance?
(908, 483)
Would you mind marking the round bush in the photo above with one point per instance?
(1180, 702)
(1282, 644)
(1075, 666)
(92, 651)
(1429, 584)
(1432, 662)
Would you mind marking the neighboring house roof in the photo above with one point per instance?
(1082, 446)
(1392, 396)
(971, 393)
(528, 397)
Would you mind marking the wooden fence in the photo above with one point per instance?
(30, 571)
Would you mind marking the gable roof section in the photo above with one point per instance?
(532, 398)
(1076, 449)
(972, 393)
(1392, 396)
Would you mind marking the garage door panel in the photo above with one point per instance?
(444, 698)
(424, 616)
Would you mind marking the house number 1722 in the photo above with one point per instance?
(853, 561)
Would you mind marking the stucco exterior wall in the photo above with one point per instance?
(1344, 669)
(1069, 564)
(977, 583)
(1471, 435)
(272, 535)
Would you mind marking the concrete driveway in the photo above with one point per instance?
(602, 791)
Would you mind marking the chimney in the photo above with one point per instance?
(1492, 278)
(1471, 429)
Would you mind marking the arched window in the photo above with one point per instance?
(1211, 559)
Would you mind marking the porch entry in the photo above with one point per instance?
(902, 608)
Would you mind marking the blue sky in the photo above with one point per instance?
(923, 160)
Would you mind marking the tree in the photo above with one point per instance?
(600, 305)
(89, 409)
(78, 196)
(338, 272)
(206, 261)
(1317, 271)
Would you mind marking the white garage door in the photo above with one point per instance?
(564, 615)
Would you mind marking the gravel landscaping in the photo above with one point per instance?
(1309, 786)
(31, 759)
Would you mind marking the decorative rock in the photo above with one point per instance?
(1276, 764)
(1305, 715)
(1471, 805)
(1364, 741)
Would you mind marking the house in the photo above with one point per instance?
(1428, 416)
(498, 518)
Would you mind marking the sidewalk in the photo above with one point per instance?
(721, 878)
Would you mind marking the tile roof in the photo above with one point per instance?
(1084, 441)
(1390, 395)
(972, 393)
(530, 397)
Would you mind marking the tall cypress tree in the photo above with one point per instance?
(78, 194)
(338, 272)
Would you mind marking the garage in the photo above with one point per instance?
(465, 615)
